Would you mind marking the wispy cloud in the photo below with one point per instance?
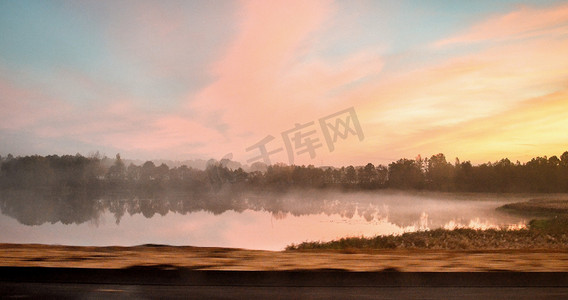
(271, 75)
(474, 105)
(23, 108)
(522, 23)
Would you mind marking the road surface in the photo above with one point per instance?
(166, 282)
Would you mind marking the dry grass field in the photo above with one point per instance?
(418, 260)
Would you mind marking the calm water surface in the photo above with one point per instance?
(268, 222)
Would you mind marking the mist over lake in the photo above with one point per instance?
(268, 221)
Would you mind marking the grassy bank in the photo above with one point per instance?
(543, 208)
(541, 234)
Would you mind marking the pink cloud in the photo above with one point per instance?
(164, 133)
(24, 108)
(125, 127)
(523, 23)
(268, 79)
(271, 35)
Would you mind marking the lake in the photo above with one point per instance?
(253, 221)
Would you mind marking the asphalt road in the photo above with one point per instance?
(160, 283)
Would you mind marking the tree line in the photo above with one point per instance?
(72, 174)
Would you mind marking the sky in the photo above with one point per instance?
(310, 82)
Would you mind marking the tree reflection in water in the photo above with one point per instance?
(76, 189)
(401, 209)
